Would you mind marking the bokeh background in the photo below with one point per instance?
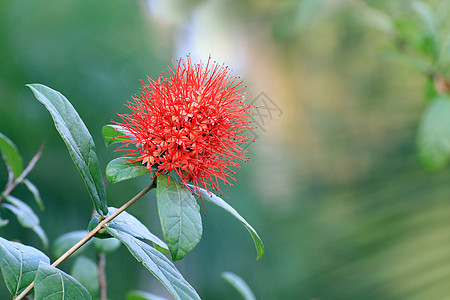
(333, 186)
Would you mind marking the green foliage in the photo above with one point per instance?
(222, 204)
(53, 284)
(19, 264)
(161, 267)
(67, 241)
(180, 217)
(239, 284)
(121, 168)
(78, 141)
(25, 215)
(433, 139)
(86, 272)
(127, 223)
(112, 133)
(11, 156)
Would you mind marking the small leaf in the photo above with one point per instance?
(114, 134)
(86, 272)
(141, 295)
(180, 217)
(221, 203)
(433, 139)
(78, 141)
(53, 284)
(158, 264)
(120, 169)
(33, 189)
(106, 245)
(239, 284)
(19, 264)
(68, 240)
(26, 216)
(127, 223)
(11, 156)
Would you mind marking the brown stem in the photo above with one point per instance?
(10, 187)
(101, 261)
(91, 234)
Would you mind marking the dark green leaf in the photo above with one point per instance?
(26, 216)
(11, 156)
(53, 284)
(78, 140)
(121, 169)
(219, 202)
(67, 241)
(127, 223)
(141, 295)
(33, 189)
(158, 264)
(433, 138)
(180, 217)
(106, 245)
(86, 272)
(239, 284)
(19, 264)
(114, 134)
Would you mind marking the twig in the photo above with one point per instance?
(24, 174)
(91, 234)
(101, 261)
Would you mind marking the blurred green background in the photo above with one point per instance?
(333, 186)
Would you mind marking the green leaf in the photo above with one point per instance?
(141, 295)
(433, 140)
(19, 264)
(114, 134)
(53, 284)
(160, 266)
(221, 203)
(86, 272)
(127, 223)
(239, 284)
(33, 189)
(68, 240)
(180, 217)
(120, 169)
(78, 140)
(106, 245)
(26, 216)
(11, 156)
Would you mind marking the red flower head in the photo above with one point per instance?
(190, 122)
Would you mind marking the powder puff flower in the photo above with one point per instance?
(190, 122)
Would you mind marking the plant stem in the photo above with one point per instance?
(10, 187)
(101, 261)
(91, 234)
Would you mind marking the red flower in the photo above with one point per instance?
(190, 122)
